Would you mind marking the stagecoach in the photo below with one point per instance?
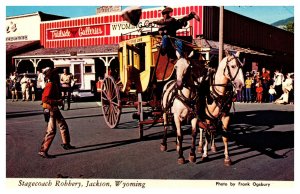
(143, 71)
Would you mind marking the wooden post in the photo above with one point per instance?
(221, 43)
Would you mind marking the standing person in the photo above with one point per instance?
(32, 90)
(40, 84)
(259, 92)
(51, 100)
(13, 90)
(278, 80)
(13, 76)
(265, 83)
(169, 27)
(25, 87)
(272, 93)
(65, 81)
(248, 84)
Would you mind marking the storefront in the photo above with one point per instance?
(23, 35)
(88, 46)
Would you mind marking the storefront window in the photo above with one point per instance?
(87, 69)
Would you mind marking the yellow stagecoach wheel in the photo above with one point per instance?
(111, 103)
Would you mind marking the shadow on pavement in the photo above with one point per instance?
(23, 114)
(107, 145)
(252, 130)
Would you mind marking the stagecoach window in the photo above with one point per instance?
(136, 56)
(141, 58)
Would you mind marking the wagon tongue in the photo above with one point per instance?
(132, 15)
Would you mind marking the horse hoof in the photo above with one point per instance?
(192, 158)
(181, 160)
(200, 150)
(227, 162)
(213, 149)
(204, 158)
(163, 147)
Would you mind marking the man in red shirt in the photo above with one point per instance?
(265, 75)
(51, 100)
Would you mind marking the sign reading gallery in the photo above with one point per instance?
(78, 32)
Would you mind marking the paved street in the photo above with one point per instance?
(261, 146)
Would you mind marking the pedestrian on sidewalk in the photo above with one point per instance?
(65, 81)
(51, 100)
(272, 93)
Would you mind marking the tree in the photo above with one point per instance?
(289, 26)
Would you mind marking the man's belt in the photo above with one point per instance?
(65, 85)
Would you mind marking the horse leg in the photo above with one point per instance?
(213, 147)
(181, 159)
(192, 156)
(207, 140)
(205, 147)
(163, 145)
(200, 147)
(227, 160)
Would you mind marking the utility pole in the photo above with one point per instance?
(221, 42)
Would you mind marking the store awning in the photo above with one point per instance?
(13, 47)
(214, 45)
(84, 51)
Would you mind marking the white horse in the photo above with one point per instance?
(176, 99)
(228, 77)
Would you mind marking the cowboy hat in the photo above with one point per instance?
(50, 73)
(167, 10)
(132, 14)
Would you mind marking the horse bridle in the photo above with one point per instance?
(232, 78)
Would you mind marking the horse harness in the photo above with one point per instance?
(223, 102)
(189, 80)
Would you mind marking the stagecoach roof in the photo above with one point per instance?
(71, 51)
(214, 45)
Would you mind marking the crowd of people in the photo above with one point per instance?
(16, 85)
(262, 87)
(21, 87)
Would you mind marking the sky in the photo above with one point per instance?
(266, 14)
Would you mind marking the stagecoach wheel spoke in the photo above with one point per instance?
(115, 103)
(114, 116)
(105, 110)
(110, 99)
(114, 97)
(104, 92)
(115, 112)
(104, 98)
